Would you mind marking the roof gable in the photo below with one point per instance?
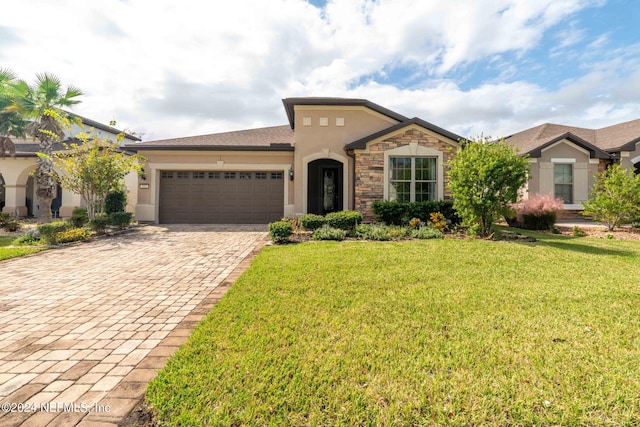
(290, 103)
(362, 143)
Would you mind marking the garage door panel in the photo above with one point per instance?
(230, 197)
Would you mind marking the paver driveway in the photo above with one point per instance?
(84, 329)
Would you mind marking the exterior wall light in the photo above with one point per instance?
(291, 173)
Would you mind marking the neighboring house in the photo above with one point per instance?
(17, 189)
(335, 154)
(564, 160)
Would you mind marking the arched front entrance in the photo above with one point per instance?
(324, 186)
(31, 200)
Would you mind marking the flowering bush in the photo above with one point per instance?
(539, 212)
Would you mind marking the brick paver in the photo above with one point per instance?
(83, 329)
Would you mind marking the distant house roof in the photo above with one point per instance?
(362, 143)
(290, 103)
(98, 125)
(600, 142)
(275, 138)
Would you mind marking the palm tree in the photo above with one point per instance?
(42, 104)
(11, 122)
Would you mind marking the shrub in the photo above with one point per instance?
(578, 232)
(312, 221)
(29, 238)
(390, 213)
(99, 224)
(72, 235)
(396, 213)
(280, 231)
(438, 222)
(617, 197)
(11, 225)
(371, 232)
(4, 218)
(539, 212)
(415, 223)
(120, 219)
(329, 233)
(344, 220)
(48, 232)
(79, 217)
(427, 233)
(116, 201)
(380, 232)
(484, 177)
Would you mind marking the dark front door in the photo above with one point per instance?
(324, 187)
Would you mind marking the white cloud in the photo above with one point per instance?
(182, 68)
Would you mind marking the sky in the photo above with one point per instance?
(166, 68)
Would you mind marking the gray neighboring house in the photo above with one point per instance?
(565, 159)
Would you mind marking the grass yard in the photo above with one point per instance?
(423, 333)
(6, 252)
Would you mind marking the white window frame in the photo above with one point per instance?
(415, 150)
(572, 181)
(413, 181)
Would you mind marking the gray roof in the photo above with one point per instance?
(618, 137)
(275, 138)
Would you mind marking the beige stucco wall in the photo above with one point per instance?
(156, 161)
(314, 141)
(584, 171)
(370, 164)
(629, 158)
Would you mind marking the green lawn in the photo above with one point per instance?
(438, 332)
(6, 252)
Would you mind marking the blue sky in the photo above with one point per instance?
(169, 69)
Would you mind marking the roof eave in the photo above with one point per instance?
(362, 143)
(208, 148)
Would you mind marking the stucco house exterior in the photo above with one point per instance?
(334, 154)
(564, 159)
(17, 190)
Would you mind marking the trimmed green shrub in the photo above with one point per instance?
(120, 219)
(329, 233)
(79, 217)
(116, 201)
(99, 224)
(426, 233)
(344, 220)
(396, 213)
(48, 232)
(280, 231)
(312, 221)
(73, 235)
(390, 213)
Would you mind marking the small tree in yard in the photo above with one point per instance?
(484, 178)
(93, 168)
(617, 197)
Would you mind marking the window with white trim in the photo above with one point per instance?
(563, 181)
(413, 179)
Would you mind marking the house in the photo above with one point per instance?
(334, 154)
(17, 189)
(565, 160)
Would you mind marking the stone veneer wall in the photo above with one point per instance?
(369, 167)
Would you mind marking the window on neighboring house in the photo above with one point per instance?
(413, 179)
(563, 180)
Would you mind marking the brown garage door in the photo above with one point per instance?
(204, 197)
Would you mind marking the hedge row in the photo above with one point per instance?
(397, 213)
